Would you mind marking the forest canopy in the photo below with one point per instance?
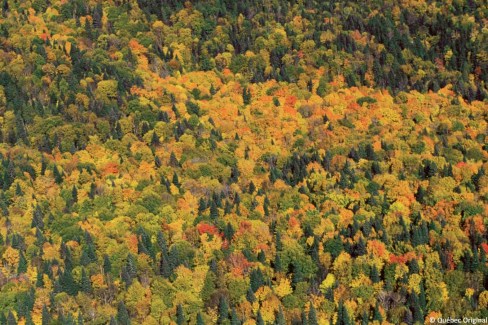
(243, 162)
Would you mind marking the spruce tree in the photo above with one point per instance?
(365, 319)
(280, 317)
(259, 318)
(223, 310)
(85, 284)
(180, 315)
(304, 318)
(200, 320)
(22, 266)
(377, 314)
(11, 320)
(214, 211)
(312, 316)
(107, 266)
(58, 177)
(122, 314)
(234, 319)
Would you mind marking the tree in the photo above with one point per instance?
(22, 267)
(11, 320)
(312, 316)
(46, 317)
(85, 284)
(246, 95)
(180, 315)
(223, 310)
(200, 320)
(280, 317)
(259, 318)
(122, 314)
(58, 177)
(234, 319)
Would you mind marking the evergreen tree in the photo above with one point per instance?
(280, 317)
(365, 319)
(85, 285)
(208, 286)
(256, 279)
(312, 316)
(74, 194)
(46, 317)
(304, 319)
(223, 310)
(58, 177)
(214, 211)
(122, 314)
(176, 181)
(375, 276)
(107, 266)
(259, 318)
(200, 319)
(11, 320)
(234, 319)
(377, 314)
(68, 283)
(22, 267)
(173, 161)
(246, 96)
(180, 315)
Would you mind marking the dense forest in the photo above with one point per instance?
(243, 162)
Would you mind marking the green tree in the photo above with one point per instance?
(122, 314)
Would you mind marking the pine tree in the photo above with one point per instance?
(280, 317)
(176, 181)
(259, 318)
(312, 316)
(200, 320)
(80, 319)
(28, 319)
(11, 320)
(85, 285)
(18, 190)
(229, 232)
(223, 310)
(173, 161)
(214, 211)
(256, 279)
(155, 139)
(58, 177)
(74, 193)
(377, 314)
(37, 218)
(22, 267)
(122, 314)
(246, 96)
(46, 317)
(250, 296)
(304, 318)
(234, 319)
(40, 279)
(107, 266)
(375, 276)
(365, 319)
(67, 282)
(208, 286)
(180, 315)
